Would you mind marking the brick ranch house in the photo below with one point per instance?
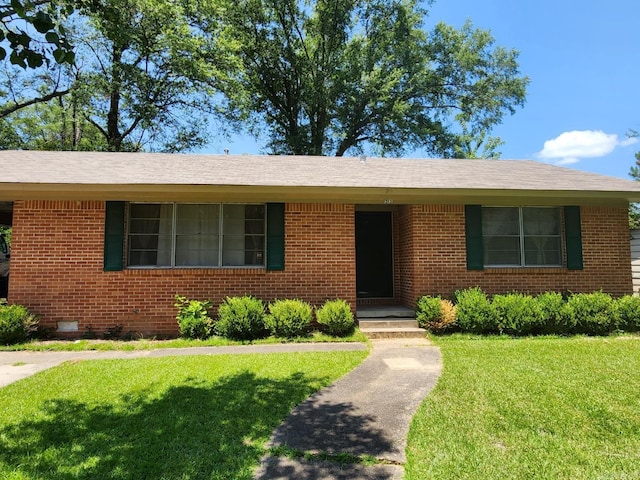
(103, 239)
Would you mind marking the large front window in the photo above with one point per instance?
(195, 235)
(521, 236)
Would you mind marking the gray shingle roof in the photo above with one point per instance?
(113, 169)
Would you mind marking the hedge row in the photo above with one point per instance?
(247, 318)
(519, 314)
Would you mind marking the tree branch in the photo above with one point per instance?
(19, 105)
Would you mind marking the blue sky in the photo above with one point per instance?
(583, 59)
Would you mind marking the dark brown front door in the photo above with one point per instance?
(374, 255)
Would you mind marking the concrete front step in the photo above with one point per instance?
(387, 323)
(390, 328)
(397, 332)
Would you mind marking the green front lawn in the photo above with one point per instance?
(534, 408)
(194, 417)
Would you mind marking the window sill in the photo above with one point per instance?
(526, 270)
(194, 271)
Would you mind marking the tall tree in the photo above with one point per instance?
(334, 76)
(145, 77)
(141, 80)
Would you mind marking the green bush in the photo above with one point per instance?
(629, 313)
(288, 318)
(241, 318)
(16, 324)
(552, 306)
(335, 318)
(591, 313)
(193, 317)
(475, 313)
(518, 314)
(435, 314)
(428, 311)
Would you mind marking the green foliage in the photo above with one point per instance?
(552, 307)
(6, 231)
(288, 318)
(143, 79)
(518, 314)
(629, 313)
(241, 318)
(16, 323)
(335, 318)
(435, 314)
(428, 310)
(34, 34)
(193, 317)
(591, 313)
(326, 78)
(476, 313)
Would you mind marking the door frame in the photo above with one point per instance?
(379, 209)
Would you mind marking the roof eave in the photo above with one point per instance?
(313, 194)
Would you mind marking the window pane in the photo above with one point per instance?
(541, 221)
(197, 250)
(500, 221)
(502, 250)
(542, 251)
(198, 219)
(149, 241)
(243, 235)
(197, 235)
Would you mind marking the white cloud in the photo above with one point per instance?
(570, 147)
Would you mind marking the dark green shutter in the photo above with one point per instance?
(113, 236)
(275, 236)
(573, 237)
(473, 236)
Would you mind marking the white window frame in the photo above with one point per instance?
(174, 236)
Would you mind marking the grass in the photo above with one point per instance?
(533, 408)
(193, 417)
(150, 344)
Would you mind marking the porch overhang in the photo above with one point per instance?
(294, 194)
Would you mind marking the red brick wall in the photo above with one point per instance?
(57, 268)
(56, 264)
(437, 249)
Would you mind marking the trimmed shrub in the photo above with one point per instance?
(435, 314)
(552, 307)
(591, 313)
(629, 313)
(288, 318)
(428, 311)
(475, 313)
(193, 317)
(16, 324)
(241, 318)
(335, 318)
(518, 314)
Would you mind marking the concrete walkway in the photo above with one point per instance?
(365, 413)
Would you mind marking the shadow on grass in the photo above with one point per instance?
(193, 431)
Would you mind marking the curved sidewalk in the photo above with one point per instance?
(365, 413)
(15, 366)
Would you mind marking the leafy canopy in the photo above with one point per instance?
(334, 76)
